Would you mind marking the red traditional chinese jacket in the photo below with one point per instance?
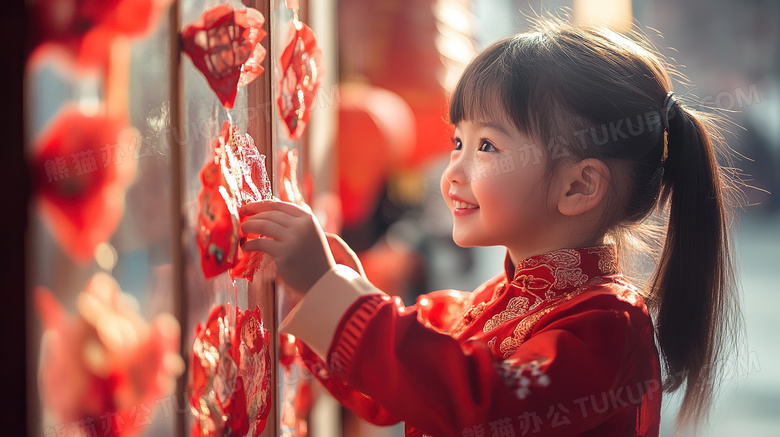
(559, 345)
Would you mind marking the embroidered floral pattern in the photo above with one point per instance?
(523, 376)
(521, 331)
(517, 306)
(563, 264)
(565, 278)
(608, 261)
(538, 285)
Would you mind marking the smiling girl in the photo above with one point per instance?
(559, 343)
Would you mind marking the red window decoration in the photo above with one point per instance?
(234, 177)
(81, 173)
(301, 64)
(289, 190)
(107, 367)
(224, 44)
(254, 367)
(230, 380)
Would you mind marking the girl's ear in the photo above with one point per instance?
(585, 185)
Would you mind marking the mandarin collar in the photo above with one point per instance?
(564, 268)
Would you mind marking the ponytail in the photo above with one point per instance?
(693, 290)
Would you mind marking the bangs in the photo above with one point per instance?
(499, 84)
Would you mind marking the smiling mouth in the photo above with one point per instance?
(463, 205)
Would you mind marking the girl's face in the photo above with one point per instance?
(495, 188)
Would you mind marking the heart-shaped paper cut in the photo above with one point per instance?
(224, 44)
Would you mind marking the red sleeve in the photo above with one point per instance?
(589, 348)
(362, 405)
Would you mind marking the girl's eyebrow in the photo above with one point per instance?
(495, 126)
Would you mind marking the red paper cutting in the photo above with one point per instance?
(230, 380)
(301, 64)
(224, 44)
(289, 191)
(107, 367)
(234, 177)
(216, 393)
(217, 236)
(254, 367)
(81, 178)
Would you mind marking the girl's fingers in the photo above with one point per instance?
(267, 245)
(281, 218)
(268, 228)
(272, 205)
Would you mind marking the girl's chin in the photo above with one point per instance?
(463, 240)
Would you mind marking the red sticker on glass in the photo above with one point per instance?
(224, 44)
(302, 71)
(233, 177)
(254, 367)
(230, 379)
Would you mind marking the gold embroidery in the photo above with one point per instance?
(510, 344)
(566, 278)
(608, 261)
(559, 259)
(516, 307)
(530, 283)
(563, 264)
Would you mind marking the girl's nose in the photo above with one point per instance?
(454, 172)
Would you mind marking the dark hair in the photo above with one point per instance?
(592, 93)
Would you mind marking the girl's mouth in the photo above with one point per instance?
(461, 208)
(463, 205)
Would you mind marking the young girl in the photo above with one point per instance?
(566, 139)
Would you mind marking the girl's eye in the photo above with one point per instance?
(457, 144)
(487, 147)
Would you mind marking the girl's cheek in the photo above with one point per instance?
(444, 184)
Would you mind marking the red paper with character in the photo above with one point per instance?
(302, 70)
(224, 44)
(234, 176)
(230, 381)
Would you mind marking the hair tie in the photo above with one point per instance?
(669, 101)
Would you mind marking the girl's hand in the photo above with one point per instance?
(293, 237)
(343, 254)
